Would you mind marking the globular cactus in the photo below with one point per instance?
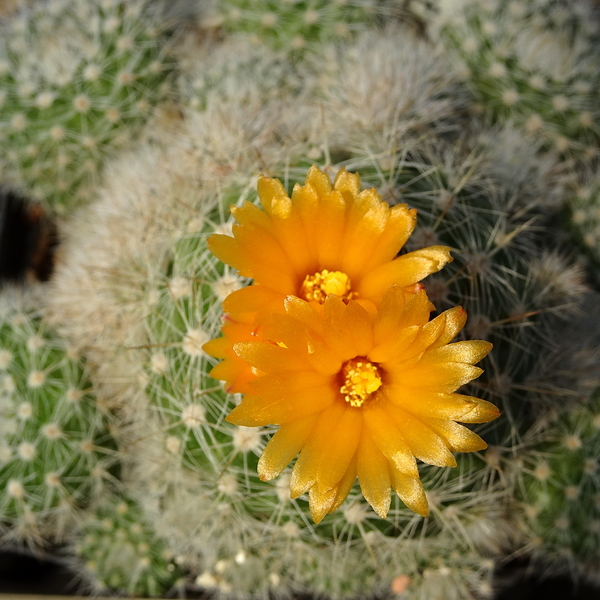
(77, 80)
(56, 452)
(533, 63)
(115, 549)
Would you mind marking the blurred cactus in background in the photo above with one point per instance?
(293, 26)
(560, 488)
(119, 551)
(77, 80)
(584, 218)
(56, 452)
(534, 63)
(171, 498)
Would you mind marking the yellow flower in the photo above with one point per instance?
(323, 240)
(358, 394)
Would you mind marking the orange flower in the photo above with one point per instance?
(232, 369)
(323, 240)
(358, 394)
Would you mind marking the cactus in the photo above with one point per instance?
(56, 453)
(77, 80)
(293, 26)
(534, 64)
(584, 218)
(119, 551)
(560, 490)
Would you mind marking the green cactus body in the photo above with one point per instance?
(56, 451)
(584, 220)
(119, 551)
(561, 489)
(77, 80)
(533, 64)
(294, 26)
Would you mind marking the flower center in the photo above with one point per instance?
(361, 380)
(318, 286)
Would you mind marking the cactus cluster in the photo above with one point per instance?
(142, 459)
(77, 81)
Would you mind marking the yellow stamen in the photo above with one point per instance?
(361, 380)
(318, 286)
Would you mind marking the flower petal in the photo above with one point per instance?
(227, 250)
(337, 329)
(389, 440)
(305, 199)
(338, 453)
(252, 298)
(320, 502)
(318, 180)
(424, 443)
(282, 329)
(427, 403)
(404, 271)
(394, 346)
(389, 315)
(457, 437)
(330, 230)
(410, 490)
(268, 189)
(261, 256)
(455, 320)
(304, 312)
(347, 182)
(482, 412)
(446, 377)
(236, 373)
(304, 473)
(257, 410)
(283, 446)
(373, 475)
(470, 352)
(363, 232)
(345, 484)
(400, 224)
(322, 358)
(277, 384)
(360, 326)
(219, 348)
(250, 214)
(268, 357)
(416, 310)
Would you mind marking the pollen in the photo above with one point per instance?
(361, 381)
(320, 285)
